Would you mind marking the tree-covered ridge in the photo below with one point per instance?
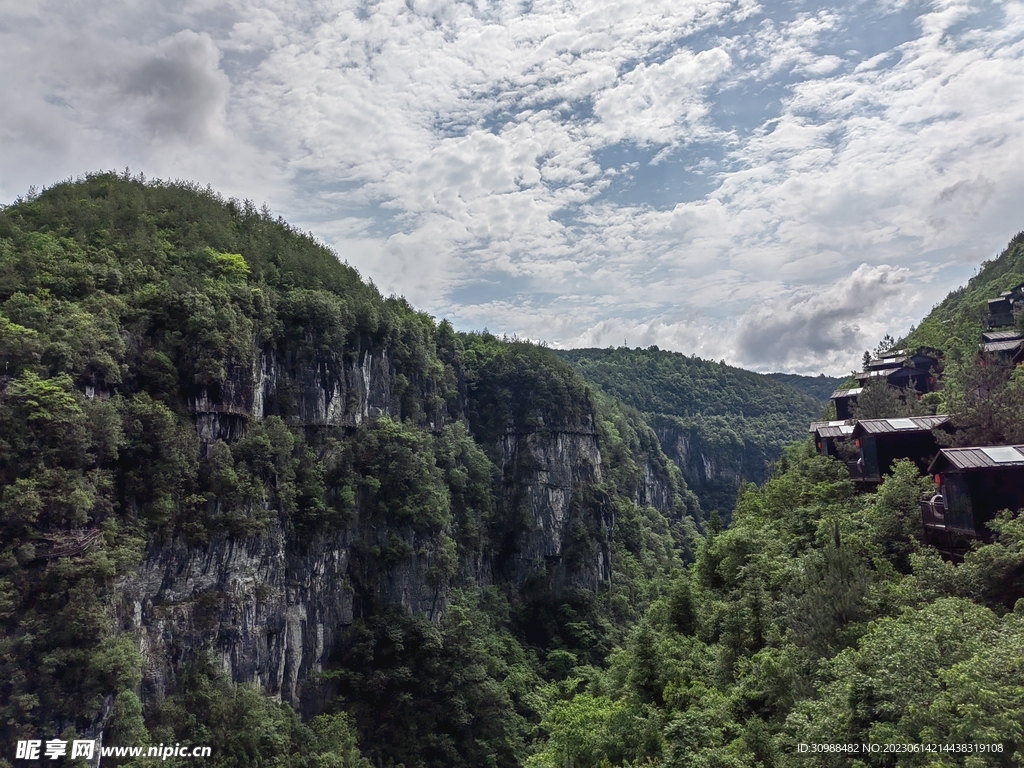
(818, 617)
(958, 319)
(819, 387)
(655, 381)
(722, 425)
(134, 320)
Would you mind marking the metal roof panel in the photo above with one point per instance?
(910, 424)
(847, 392)
(981, 457)
(843, 430)
(990, 336)
(1002, 346)
(816, 425)
(1003, 454)
(887, 362)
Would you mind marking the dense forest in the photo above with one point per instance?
(723, 426)
(225, 459)
(819, 387)
(249, 503)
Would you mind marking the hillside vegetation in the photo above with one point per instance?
(723, 426)
(819, 387)
(818, 617)
(819, 629)
(408, 528)
(957, 319)
(983, 394)
(134, 319)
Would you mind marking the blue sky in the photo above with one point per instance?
(775, 184)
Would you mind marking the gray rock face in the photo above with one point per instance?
(270, 613)
(272, 608)
(655, 490)
(550, 470)
(714, 471)
(330, 390)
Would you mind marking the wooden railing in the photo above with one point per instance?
(952, 543)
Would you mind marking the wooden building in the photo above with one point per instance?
(844, 400)
(914, 369)
(883, 441)
(1007, 345)
(973, 485)
(902, 368)
(1004, 307)
(826, 433)
(922, 358)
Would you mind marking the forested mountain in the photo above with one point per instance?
(226, 461)
(723, 426)
(819, 387)
(820, 629)
(249, 503)
(958, 318)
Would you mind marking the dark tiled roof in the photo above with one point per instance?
(1002, 346)
(886, 362)
(893, 374)
(979, 458)
(863, 375)
(909, 424)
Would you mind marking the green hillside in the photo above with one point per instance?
(817, 617)
(955, 327)
(722, 425)
(819, 387)
(186, 380)
(672, 383)
(959, 316)
(248, 503)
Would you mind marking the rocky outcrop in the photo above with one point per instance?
(547, 473)
(273, 607)
(713, 466)
(655, 489)
(327, 390)
(270, 610)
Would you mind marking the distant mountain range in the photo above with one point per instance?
(723, 426)
(819, 387)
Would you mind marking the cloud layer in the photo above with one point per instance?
(778, 187)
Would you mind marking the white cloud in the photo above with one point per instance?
(822, 324)
(662, 103)
(435, 142)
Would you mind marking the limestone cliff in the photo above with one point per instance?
(218, 442)
(715, 463)
(274, 607)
